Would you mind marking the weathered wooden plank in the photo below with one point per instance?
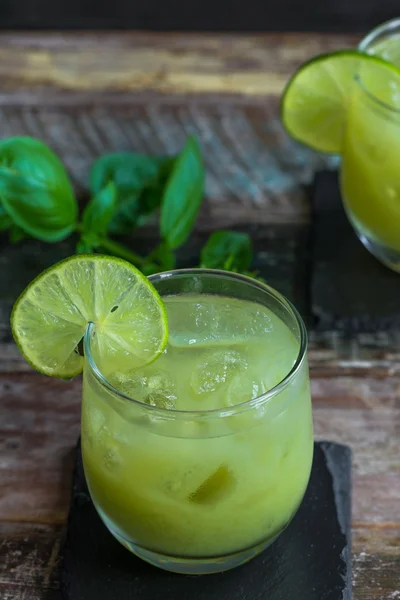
(38, 432)
(373, 355)
(34, 64)
(29, 561)
(376, 564)
(30, 557)
(40, 425)
(87, 94)
(374, 436)
(224, 89)
(255, 173)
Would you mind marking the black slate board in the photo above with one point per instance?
(310, 561)
(351, 290)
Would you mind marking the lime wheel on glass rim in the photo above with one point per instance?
(315, 100)
(51, 316)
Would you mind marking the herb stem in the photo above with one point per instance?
(123, 252)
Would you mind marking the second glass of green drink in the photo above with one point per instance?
(198, 461)
(370, 174)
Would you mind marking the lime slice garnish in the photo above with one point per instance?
(50, 317)
(315, 100)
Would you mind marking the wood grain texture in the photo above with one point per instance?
(355, 403)
(255, 173)
(29, 561)
(376, 564)
(70, 67)
(40, 426)
(38, 431)
(30, 558)
(89, 93)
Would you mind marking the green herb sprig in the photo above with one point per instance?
(126, 189)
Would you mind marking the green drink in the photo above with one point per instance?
(348, 103)
(196, 416)
(197, 461)
(370, 179)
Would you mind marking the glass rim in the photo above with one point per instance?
(174, 413)
(363, 45)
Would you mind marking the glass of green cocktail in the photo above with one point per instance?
(196, 417)
(199, 460)
(348, 103)
(370, 175)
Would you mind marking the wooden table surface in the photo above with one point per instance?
(86, 93)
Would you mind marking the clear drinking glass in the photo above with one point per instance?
(202, 491)
(370, 172)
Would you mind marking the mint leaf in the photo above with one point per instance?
(182, 195)
(228, 250)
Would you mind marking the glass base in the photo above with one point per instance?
(190, 566)
(386, 255)
(194, 566)
(389, 257)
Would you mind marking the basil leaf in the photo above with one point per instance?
(150, 198)
(35, 189)
(229, 250)
(139, 181)
(99, 210)
(182, 195)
